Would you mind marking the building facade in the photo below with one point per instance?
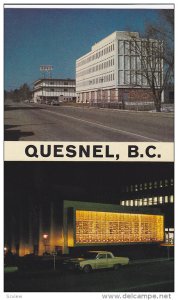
(134, 206)
(47, 90)
(157, 193)
(112, 73)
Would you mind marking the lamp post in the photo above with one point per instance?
(45, 238)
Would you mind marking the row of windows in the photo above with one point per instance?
(153, 48)
(56, 83)
(101, 227)
(149, 185)
(138, 78)
(107, 64)
(98, 54)
(134, 62)
(149, 201)
(105, 78)
(58, 90)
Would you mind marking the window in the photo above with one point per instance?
(141, 187)
(155, 200)
(155, 184)
(171, 199)
(145, 186)
(136, 187)
(145, 201)
(109, 255)
(150, 185)
(166, 199)
(160, 199)
(101, 256)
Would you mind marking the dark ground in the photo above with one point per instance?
(144, 277)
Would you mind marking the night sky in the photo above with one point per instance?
(78, 181)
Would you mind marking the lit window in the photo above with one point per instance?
(136, 187)
(140, 202)
(161, 183)
(127, 203)
(109, 227)
(141, 187)
(145, 201)
(136, 203)
(160, 199)
(150, 201)
(171, 199)
(155, 200)
(172, 181)
(131, 202)
(166, 199)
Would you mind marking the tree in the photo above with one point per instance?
(163, 29)
(148, 71)
(153, 67)
(20, 94)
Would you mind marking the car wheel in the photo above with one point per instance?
(116, 267)
(87, 269)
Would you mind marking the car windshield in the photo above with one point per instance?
(89, 255)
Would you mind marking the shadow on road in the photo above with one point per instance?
(11, 107)
(15, 135)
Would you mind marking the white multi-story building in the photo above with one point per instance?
(112, 72)
(46, 90)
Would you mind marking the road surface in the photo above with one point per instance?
(26, 122)
(148, 277)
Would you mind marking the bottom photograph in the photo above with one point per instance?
(88, 227)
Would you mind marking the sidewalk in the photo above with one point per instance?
(149, 260)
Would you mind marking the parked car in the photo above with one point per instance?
(54, 102)
(93, 260)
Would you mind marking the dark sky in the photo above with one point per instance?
(77, 181)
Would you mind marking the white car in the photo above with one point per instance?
(93, 260)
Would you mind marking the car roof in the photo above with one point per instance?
(95, 251)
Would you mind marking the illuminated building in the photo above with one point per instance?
(102, 224)
(109, 205)
(157, 193)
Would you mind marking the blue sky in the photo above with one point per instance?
(34, 37)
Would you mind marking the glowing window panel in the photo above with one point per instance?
(171, 199)
(110, 227)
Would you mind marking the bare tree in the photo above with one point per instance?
(149, 69)
(163, 29)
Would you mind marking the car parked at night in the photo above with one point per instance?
(93, 260)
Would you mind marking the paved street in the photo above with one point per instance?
(148, 277)
(27, 122)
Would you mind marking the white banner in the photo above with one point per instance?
(88, 151)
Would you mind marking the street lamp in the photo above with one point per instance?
(45, 237)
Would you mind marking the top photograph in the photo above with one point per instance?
(100, 73)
